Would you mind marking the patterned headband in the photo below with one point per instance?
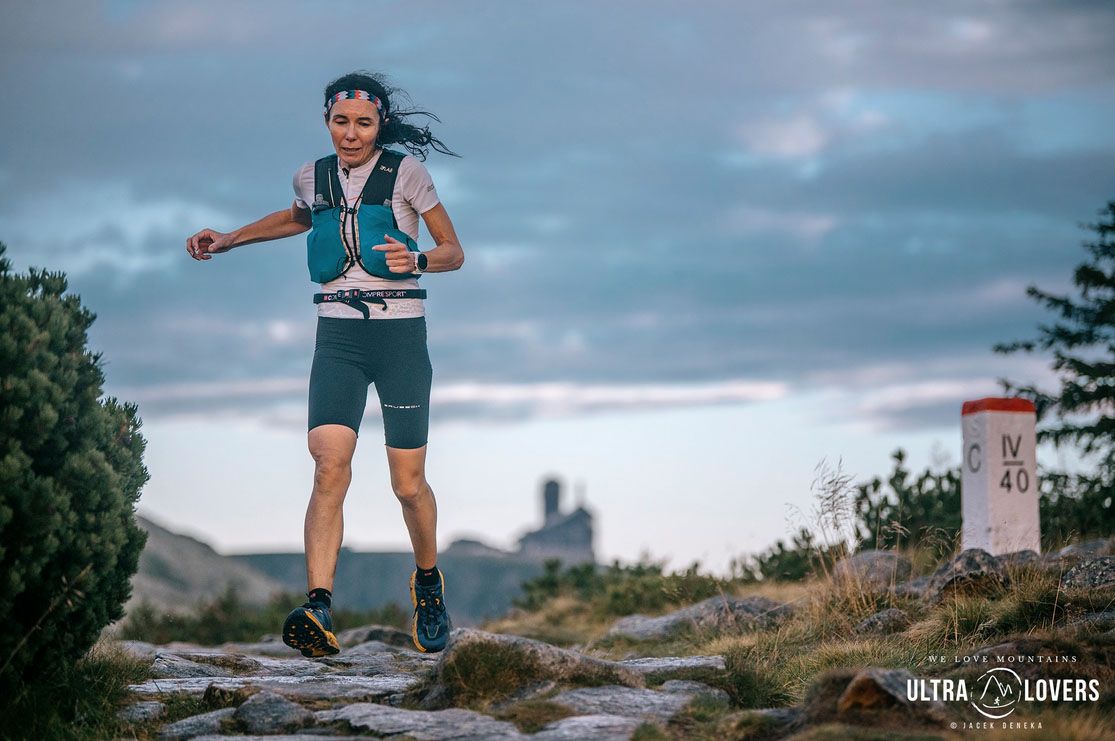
(356, 95)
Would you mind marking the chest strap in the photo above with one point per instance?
(356, 297)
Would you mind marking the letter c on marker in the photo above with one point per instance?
(975, 459)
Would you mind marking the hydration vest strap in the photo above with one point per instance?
(380, 187)
(327, 186)
(356, 297)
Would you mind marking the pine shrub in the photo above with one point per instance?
(71, 469)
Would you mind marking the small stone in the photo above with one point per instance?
(267, 712)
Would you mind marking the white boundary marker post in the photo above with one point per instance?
(999, 485)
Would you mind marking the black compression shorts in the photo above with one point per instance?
(350, 354)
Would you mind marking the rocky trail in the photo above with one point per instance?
(379, 686)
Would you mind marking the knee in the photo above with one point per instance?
(409, 488)
(331, 471)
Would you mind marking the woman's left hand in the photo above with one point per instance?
(399, 259)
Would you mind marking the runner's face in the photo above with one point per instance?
(354, 126)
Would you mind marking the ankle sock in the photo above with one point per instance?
(322, 595)
(428, 577)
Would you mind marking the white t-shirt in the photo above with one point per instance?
(414, 194)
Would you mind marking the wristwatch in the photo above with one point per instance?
(420, 263)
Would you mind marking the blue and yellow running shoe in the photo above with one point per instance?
(309, 629)
(431, 625)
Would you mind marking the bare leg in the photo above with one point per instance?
(408, 480)
(332, 447)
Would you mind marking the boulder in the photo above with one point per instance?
(873, 569)
(714, 613)
(1092, 574)
(974, 571)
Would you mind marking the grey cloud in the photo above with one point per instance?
(615, 232)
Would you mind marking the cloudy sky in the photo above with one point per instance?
(707, 246)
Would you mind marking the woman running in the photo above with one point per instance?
(361, 205)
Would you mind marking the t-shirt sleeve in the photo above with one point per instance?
(304, 185)
(416, 185)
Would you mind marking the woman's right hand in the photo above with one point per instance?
(207, 242)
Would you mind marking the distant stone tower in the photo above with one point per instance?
(566, 536)
(551, 501)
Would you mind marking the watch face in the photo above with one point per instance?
(422, 261)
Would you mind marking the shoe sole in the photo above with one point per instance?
(302, 631)
(414, 604)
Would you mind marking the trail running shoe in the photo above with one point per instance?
(309, 628)
(431, 625)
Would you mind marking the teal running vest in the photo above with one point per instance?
(333, 246)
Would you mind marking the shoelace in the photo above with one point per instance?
(430, 615)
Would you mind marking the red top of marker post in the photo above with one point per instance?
(997, 404)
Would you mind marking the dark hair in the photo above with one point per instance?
(416, 139)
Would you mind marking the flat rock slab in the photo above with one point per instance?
(660, 668)
(171, 666)
(299, 688)
(595, 727)
(634, 702)
(257, 665)
(429, 725)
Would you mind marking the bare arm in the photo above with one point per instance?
(447, 254)
(286, 223)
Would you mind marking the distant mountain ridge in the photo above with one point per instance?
(177, 571)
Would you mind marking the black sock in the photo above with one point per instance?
(322, 595)
(428, 577)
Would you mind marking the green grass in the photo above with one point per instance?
(80, 702)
